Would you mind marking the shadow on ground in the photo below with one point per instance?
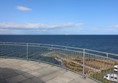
(8, 75)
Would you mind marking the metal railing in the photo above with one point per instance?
(100, 66)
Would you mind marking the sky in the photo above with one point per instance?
(66, 17)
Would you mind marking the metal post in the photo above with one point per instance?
(84, 63)
(27, 51)
(117, 73)
(66, 55)
(107, 55)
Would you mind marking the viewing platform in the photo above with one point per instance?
(45, 63)
(23, 71)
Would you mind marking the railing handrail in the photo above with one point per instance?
(71, 47)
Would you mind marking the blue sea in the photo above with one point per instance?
(106, 43)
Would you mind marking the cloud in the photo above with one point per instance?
(115, 26)
(11, 25)
(23, 8)
(110, 29)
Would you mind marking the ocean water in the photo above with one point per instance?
(106, 43)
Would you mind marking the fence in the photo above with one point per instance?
(99, 66)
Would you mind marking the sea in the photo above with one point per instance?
(105, 43)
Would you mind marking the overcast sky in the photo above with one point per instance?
(59, 17)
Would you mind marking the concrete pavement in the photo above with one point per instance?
(22, 71)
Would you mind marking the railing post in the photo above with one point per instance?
(107, 55)
(84, 76)
(27, 51)
(117, 71)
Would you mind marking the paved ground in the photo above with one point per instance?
(22, 71)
